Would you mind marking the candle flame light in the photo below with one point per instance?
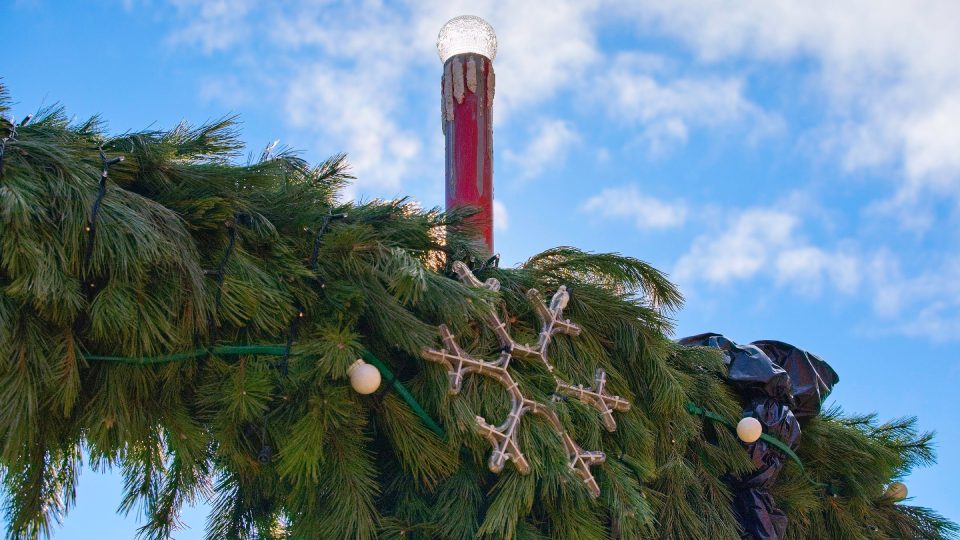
(466, 34)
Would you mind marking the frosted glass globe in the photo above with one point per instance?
(749, 430)
(466, 34)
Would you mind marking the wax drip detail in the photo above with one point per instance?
(503, 437)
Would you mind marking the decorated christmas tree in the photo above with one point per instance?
(326, 369)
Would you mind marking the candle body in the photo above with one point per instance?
(467, 90)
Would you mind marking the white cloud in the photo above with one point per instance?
(501, 219)
(762, 244)
(924, 305)
(544, 46)
(741, 251)
(888, 69)
(932, 144)
(351, 95)
(885, 70)
(807, 268)
(668, 109)
(549, 142)
(226, 90)
(214, 25)
(350, 108)
(766, 243)
(756, 243)
(938, 321)
(645, 211)
(355, 92)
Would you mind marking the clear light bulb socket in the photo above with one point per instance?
(466, 34)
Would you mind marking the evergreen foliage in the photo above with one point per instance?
(192, 250)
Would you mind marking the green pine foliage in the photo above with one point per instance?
(291, 451)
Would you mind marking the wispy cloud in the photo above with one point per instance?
(925, 305)
(545, 46)
(768, 247)
(354, 92)
(668, 109)
(808, 268)
(213, 25)
(352, 109)
(883, 72)
(768, 243)
(888, 70)
(629, 203)
(547, 147)
(501, 218)
(226, 90)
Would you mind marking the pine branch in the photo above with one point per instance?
(296, 452)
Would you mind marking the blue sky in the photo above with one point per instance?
(794, 167)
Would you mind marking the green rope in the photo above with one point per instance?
(277, 350)
(777, 443)
(149, 359)
(404, 393)
(773, 441)
(224, 350)
(395, 384)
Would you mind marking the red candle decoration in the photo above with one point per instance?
(467, 46)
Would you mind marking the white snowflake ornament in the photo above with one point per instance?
(503, 437)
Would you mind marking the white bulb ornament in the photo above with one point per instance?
(364, 378)
(749, 429)
(896, 491)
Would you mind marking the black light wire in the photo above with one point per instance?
(95, 211)
(314, 262)
(299, 314)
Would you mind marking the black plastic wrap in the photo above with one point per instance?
(811, 377)
(755, 507)
(751, 371)
(758, 514)
(781, 383)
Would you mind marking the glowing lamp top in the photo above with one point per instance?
(466, 34)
